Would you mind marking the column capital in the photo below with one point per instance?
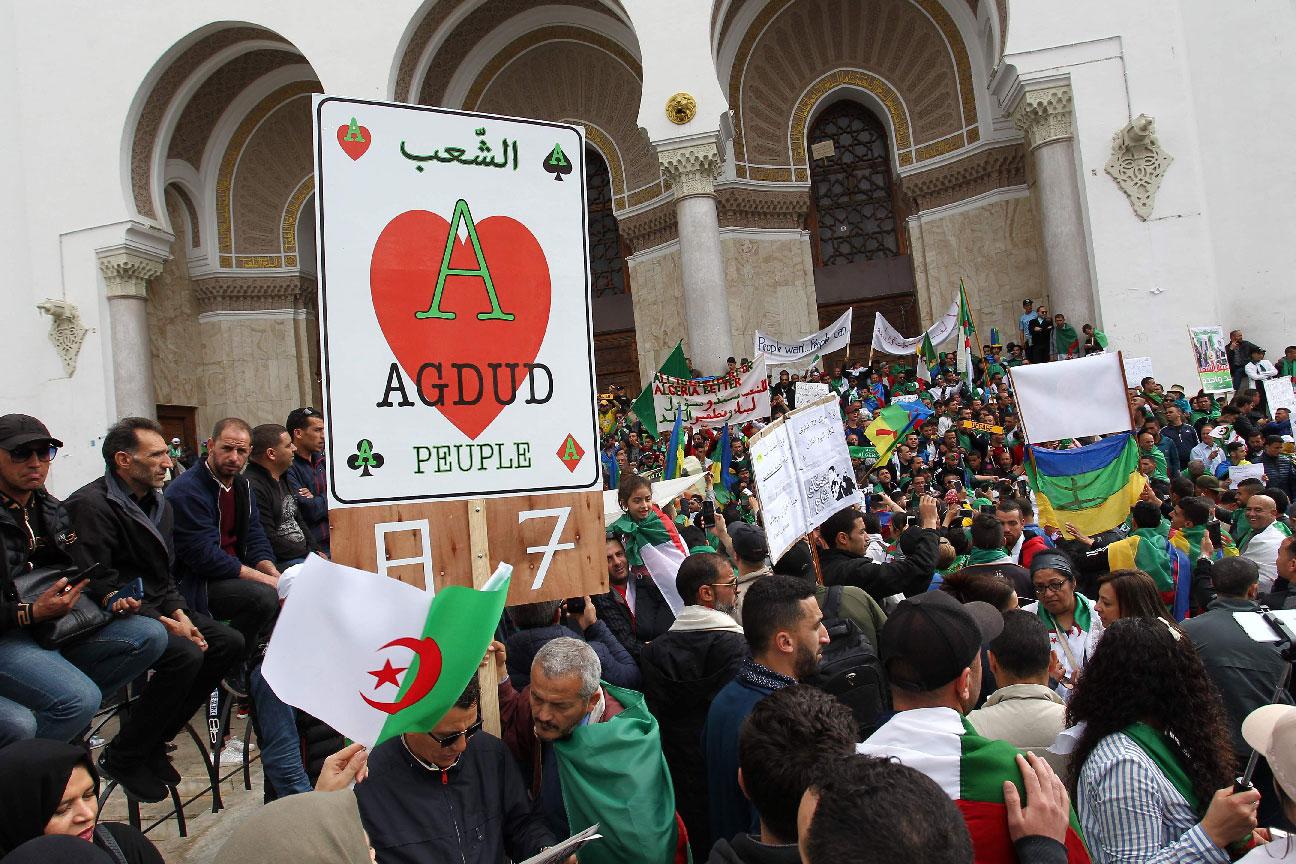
(127, 270)
(1044, 114)
(692, 167)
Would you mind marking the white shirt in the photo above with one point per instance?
(1259, 371)
(1281, 849)
(1210, 453)
(1262, 548)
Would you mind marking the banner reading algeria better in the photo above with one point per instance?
(728, 399)
(454, 303)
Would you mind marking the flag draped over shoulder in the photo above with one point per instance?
(391, 659)
(1152, 552)
(1094, 486)
(613, 773)
(1065, 340)
(676, 366)
(654, 544)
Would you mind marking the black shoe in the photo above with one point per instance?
(161, 767)
(135, 777)
(236, 682)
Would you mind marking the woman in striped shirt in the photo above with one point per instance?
(1152, 769)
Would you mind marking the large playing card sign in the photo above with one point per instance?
(455, 303)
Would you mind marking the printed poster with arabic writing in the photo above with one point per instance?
(455, 312)
(724, 400)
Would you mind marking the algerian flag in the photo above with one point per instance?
(927, 360)
(374, 657)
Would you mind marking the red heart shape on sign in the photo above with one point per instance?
(355, 141)
(402, 279)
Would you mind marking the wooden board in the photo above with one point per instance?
(572, 572)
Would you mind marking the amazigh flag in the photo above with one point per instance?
(675, 449)
(374, 657)
(888, 427)
(1147, 549)
(676, 367)
(654, 544)
(1189, 541)
(927, 359)
(613, 773)
(1094, 486)
(720, 467)
(971, 770)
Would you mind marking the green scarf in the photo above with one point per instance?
(1192, 539)
(614, 773)
(959, 563)
(1241, 526)
(649, 532)
(1152, 558)
(987, 556)
(1157, 746)
(1082, 619)
(1286, 367)
(1063, 338)
(1159, 458)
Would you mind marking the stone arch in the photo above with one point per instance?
(911, 55)
(863, 87)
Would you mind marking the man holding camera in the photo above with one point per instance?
(53, 692)
(125, 525)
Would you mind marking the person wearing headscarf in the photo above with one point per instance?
(50, 787)
(57, 849)
(315, 827)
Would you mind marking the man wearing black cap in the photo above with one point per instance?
(308, 474)
(53, 693)
(931, 646)
(751, 550)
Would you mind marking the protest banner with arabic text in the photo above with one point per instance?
(720, 401)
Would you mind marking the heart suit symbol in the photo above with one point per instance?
(407, 260)
(354, 140)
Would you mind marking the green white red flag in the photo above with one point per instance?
(374, 657)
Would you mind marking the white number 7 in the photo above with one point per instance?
(561, 514)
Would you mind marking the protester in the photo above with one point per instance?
(1271, 730)
(751, 556)
(931, 646)
(1073, 623)
(1267, 535)
(44, 692)
(634, 608)
(775, 776)
(319, 827)
(308, 476)
(683, 670)
(1152, 768)
(988, 555)
(224, 563)
(125, 526)
(593, 752)
(450, 793)
(1128, 594)
(539, 623)
(785, 633)
(284, 526)
(48, 788)
(1022, 546)
(844, 561)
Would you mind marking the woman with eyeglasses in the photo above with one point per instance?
(1071, 618)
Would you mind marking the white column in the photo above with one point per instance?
(126, 274)
(692, 169)
(1044, 114)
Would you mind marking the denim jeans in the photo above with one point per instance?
(17, 723)
(281, 757)
(64, 688)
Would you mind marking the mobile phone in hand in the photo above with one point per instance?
(708, 514)
(132, 590)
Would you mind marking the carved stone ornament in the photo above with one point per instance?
(66, 331)
(1044, 115)
(127, 272)
(1138, 164)
(681, 108)
(691, 169)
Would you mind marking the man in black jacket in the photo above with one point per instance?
(277, 506)
(844, 562)
(452, 793)
(633, 608)
(683, 670)
(125, 523)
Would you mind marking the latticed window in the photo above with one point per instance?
(851, 182)
(607, 266)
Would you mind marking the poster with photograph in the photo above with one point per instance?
(1210, 353)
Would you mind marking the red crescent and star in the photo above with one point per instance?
(428, 654)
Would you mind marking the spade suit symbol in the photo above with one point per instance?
(557, 163)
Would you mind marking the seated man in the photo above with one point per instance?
(452, 793)
(224, 563)
(125, 524)
(47, 693)
(775, 775)
(1024, 711)
(683, 670)
(594, 753)
(931, 646)
(277, 508)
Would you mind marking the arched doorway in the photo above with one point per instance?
(616, 357)
(860, 252)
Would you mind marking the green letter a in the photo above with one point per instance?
(434, 311)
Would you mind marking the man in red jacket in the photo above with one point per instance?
(1020, 546)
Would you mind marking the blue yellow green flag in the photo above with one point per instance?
(1093, 487)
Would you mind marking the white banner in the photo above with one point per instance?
(809, 391)
(834, 337)
(1279, 393)
(1136, 369)
(729, 399)
(1072, 398)
(887, 339)
(803, 473)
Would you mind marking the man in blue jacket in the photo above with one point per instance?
(224, 563)
(307, 476)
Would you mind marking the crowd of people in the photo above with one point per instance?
(933, 674)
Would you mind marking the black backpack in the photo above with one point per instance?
(851, 669)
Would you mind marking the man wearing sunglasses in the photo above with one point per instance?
(53, 693)
(452, 793)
